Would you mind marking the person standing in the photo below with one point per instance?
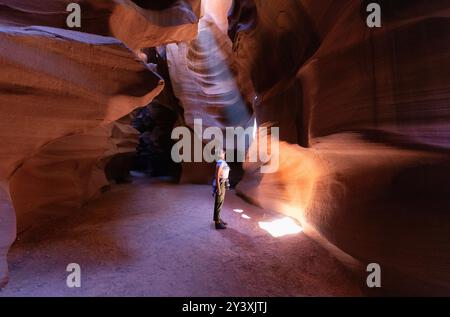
(221, 185)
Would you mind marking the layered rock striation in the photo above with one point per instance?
(364, 122)
(62, 93)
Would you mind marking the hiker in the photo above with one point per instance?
(220, 185)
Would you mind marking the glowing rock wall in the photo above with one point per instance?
(371, 110)
(202, 72)
(62, 93)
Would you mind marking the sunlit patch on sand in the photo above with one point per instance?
(281, 227)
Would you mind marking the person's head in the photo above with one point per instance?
(220, 154)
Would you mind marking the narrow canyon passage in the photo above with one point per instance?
(307, 108)
(152, 238)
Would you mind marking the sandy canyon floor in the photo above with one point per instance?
(152, 238)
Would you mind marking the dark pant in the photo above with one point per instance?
(219, 201)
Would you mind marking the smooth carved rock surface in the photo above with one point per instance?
(202, 77)
(62, 92)
(367, 203)
(55, 88)
(122, 19)
(69, 171)
(371, 108)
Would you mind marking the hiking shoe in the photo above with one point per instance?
(220, 226)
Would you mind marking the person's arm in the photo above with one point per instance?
(218, 173)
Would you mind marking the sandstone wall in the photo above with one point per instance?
(370, 108)
(62, 91)
(203, 76)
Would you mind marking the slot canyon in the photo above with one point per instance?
(87, 172)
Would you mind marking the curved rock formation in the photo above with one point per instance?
(203, 80)
(363, 113)
(69, 171)
(55, 87)
(371, 109)
(62, 93)
(136, 27)
(203, 77)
